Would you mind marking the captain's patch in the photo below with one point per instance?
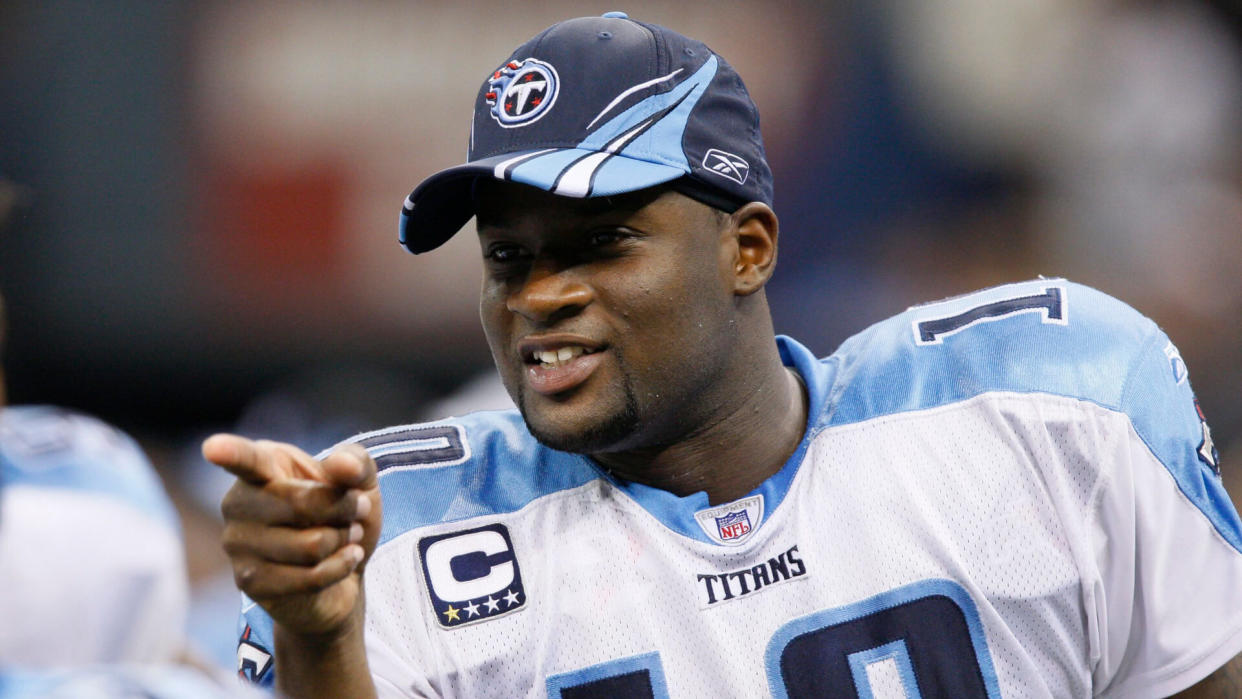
(471, 575)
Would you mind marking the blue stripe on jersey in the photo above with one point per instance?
(1095, 348)
(48, 447)
(506, 471)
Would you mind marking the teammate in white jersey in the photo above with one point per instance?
(1007, 494)
(93, 584)
(92, 567)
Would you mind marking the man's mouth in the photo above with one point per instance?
(558, 357)
(558, 369)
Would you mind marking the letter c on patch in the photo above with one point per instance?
(481, 548)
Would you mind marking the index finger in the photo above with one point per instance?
(258, 462)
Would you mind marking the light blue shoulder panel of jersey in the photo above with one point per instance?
(1159, 400)
(49, 447)
(1043, 336)
(483, 463)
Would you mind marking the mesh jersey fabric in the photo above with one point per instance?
(1003, 494)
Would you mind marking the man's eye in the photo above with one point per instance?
(504, 253)
(606, 237)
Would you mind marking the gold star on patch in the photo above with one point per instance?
(451, 613)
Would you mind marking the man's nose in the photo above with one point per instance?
(549, 292)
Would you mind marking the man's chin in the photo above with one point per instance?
(583, 436)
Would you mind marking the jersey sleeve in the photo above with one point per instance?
(254, 644)
(1167, 542)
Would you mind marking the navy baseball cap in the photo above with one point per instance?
(598, 106)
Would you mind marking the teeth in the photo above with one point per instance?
(559, 356)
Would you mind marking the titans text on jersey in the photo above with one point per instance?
(738, 583)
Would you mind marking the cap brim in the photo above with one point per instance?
(444, 202)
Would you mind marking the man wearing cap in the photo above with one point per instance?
(1010, 493)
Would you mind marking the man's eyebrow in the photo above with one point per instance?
(490, 220)
(493, 217)
(584, 208)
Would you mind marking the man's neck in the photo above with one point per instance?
(732, 455)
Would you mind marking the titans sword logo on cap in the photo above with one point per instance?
(521, 92)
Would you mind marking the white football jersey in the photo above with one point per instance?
(1006, 494)
(92, 567)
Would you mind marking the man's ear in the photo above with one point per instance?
(755, 227)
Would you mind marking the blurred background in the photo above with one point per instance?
(205, 194)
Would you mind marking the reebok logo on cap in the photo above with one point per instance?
(725, 164)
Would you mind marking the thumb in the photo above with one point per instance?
(350, 466)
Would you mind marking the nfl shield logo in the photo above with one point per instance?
(733, 525)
